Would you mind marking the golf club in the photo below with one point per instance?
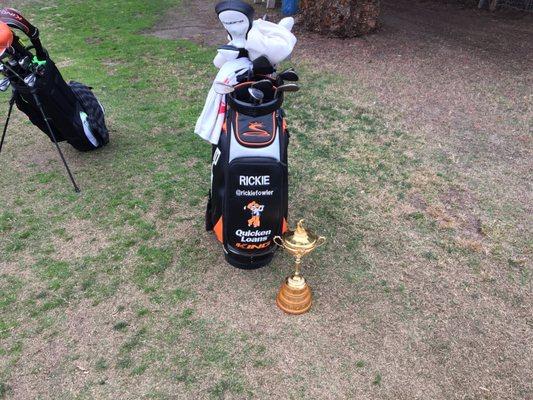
(263, 85)
(4, 84)
(223, 88)
(30, 80)
(289, 75)
(257, 96)
(289, 87)
(25, 63)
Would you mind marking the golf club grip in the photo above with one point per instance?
(39, 49)
(19, 47)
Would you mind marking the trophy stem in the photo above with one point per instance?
(298, 266)
(297, 281)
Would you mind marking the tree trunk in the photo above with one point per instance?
(342, 18)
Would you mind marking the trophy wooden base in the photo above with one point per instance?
(294, 300)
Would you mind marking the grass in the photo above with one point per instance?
(124, 277)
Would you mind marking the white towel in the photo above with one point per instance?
(209, 124)
(274, 41)
(265, 38)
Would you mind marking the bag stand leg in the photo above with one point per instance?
(53, 136)
(11, 103)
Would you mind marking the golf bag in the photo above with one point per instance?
(73, 112)
(248, 200)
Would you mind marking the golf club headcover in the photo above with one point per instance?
(237, 18)
(14, 19)
(6, 37)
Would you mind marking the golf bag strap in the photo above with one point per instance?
(14, 19)
(11, 103)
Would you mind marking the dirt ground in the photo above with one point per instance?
(461, 79)
(395, 316)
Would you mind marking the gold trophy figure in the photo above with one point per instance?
(295, 295)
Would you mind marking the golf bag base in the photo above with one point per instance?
(248, 201)
(244, 262)
(74, 113)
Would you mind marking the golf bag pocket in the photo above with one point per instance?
(248, 201)
(254, 206)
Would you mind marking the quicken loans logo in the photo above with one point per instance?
(250, 236)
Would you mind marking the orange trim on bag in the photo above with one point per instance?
(218, 229)
(284, 125)
(285, 226)
(262, 144)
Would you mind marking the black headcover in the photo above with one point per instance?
(14, 19)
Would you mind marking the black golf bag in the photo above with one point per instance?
(73, 112)
(248, 201)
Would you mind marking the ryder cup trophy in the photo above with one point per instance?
(295, 295)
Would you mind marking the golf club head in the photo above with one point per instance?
(263, 85)
(257, 95)
(223, 88)
(4, 84)
(288, 87)
(289, 75)
(25, 63)
(30, 80)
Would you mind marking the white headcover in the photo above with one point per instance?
(237, 25)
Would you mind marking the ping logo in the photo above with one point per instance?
(251, 246)
(7, 11)
(256, 209)
(262, 180)
(255, 128)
